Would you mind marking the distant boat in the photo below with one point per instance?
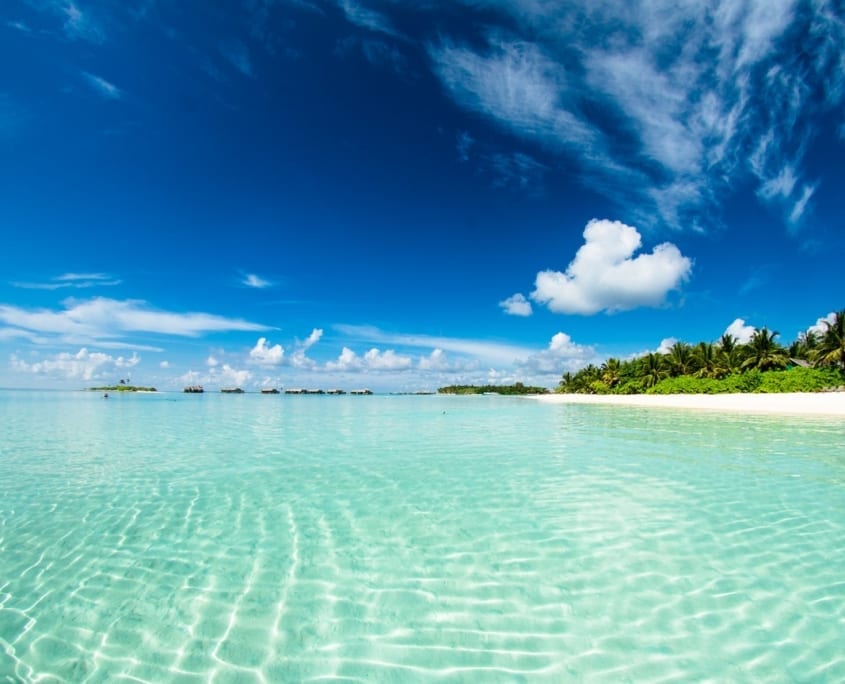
(269, 390)
(231, 390)
(194, 389)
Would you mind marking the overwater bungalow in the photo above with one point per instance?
(194, 389)
(269, 390)
(335, 391)
(231, 390)
(314, 391)
(361, 391)
(295, 390)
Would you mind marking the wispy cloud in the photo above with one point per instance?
(102, 87)
(237, 54)
(102, 319)
(71, 280)
(78, 23)
(664, 106)
(485, 351)
(366, 18)
(256, 281)
(19, 26)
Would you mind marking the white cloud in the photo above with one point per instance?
(483, 351)
(72, 280)
(79, 24)
(561, 354)
(801, 205)
(227, 375)
(666, 345)
(664, 106)
(298, 358)
(740, 331)
(515, 84)
(606, 276)
(373, 360)
(212, 362)
(82, 365)
(164, 364)
(436, 361)
(103, 319)
(516, 305)
(102, 87)
(820, 326)
(256, 281)
(265, 355)
(366, 18)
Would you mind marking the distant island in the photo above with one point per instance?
(122, 388)
(516, 388)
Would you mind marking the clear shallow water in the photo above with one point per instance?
(271, 538)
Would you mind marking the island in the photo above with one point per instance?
(516, 388)
(122, 388)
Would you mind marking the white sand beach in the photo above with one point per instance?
(818, 403)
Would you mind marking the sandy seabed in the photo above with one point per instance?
(815, 403)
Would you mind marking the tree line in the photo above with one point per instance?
(816, 361)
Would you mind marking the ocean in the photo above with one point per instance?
(271, 538)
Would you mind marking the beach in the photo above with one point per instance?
(805, 403)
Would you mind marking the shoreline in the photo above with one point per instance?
(803, 403)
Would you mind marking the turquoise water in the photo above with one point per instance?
(271, 538)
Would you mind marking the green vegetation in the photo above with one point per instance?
(814, 362)
(517, 388)
(122, 388)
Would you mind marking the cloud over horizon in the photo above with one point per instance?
(606, 276)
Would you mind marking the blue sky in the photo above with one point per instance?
(400, 196)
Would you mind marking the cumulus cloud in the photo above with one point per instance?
(212, 362)
(164, 364)
(516, 305)
(83, 365)
(227, 375)
(561, 354)
(299, 358)
(265, 355)
(666, 345)
(740, 331)
(373, 360)
(820, 326)
(606, 276)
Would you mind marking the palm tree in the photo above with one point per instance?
(728, 355)
(653, 369)
(763, 353)
(805, 346)
(831, 346)
(611, 371)
(706, 357)
(680, 359)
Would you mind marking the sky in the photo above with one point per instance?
(401, 196)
